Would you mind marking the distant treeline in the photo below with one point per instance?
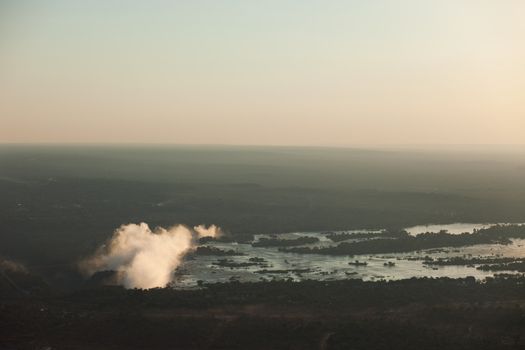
(338, 237)
(275, 242)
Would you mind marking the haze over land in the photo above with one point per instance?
(76, 196)
(59, 204)
(275, 174)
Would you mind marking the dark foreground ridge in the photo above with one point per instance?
(351, 314)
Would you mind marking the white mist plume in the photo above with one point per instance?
(144, 258)
(212, 231)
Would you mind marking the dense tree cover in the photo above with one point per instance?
(353, 293)
(408, 314)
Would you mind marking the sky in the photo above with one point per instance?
(273, 72)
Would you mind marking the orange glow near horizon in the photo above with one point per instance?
(279, 72)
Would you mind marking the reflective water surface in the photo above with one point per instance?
(456, 228)
(270, 263)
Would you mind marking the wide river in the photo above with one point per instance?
(282, 265)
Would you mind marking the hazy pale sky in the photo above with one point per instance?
(303, 72)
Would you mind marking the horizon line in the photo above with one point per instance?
(341, 146)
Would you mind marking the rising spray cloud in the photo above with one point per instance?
(144, 258)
